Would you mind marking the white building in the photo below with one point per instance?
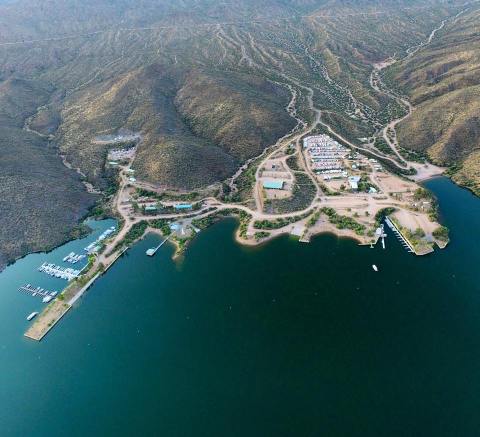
(353, 181)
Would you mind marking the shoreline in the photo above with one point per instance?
(74, 291)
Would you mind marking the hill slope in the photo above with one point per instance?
(443, 82)
(204, 82)
(40, 199)
(196, 126)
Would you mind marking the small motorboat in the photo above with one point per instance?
(32, 315)
(374, 267)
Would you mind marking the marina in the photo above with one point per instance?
(73, 258)
(97, 244)
(59, 272)
(406, 245)
(46, 295)
(204, 316)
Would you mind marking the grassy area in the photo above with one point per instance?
(163, 225)
(343, 222)
(441, 233)
(135, 232)
(245, 183)
(261, 235)
(244, 219)
(364, 184)
(381, 145)
(292, 162)
(279, 222)
(384, 212)
(422, 194)
(413, 155)
(185, 197)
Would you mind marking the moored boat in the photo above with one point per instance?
(32, 315)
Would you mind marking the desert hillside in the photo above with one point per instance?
(443, 82)
(206, 85)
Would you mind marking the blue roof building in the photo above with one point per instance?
(183, 206)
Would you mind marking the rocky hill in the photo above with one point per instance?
(443, 82)
(41, 201)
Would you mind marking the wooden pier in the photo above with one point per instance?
(153, 251)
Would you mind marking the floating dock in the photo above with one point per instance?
(96, 245)
(37, 291)
(407, 246)
(59, 272)
(73, 258)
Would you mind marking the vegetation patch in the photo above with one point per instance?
(381, 214)
(244, 218)
(303, 193)
(161, 224)
(343, 222)
(135, 232)
(261, 235)
(292, 162)
(441, 233)
(280, 222)
(381, 145)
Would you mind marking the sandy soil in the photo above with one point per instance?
(413, 220)
(389, 183)
(426, 171)
(47, 319)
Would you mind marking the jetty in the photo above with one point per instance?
(52, 314)
(37, 291)
(153, 251)
(405, 243)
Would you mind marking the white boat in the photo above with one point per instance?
(31, 316)
(47, 299)
(374, 267)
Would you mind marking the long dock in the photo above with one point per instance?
(34, 291)
(153, 251)
(59, 272)
(58, 308)
(405, 243)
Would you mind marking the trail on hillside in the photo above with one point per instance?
(389, 132)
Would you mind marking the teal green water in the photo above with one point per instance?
(287, 339)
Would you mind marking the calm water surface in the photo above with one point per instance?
(287, 339)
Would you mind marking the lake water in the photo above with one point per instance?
(287, 339)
